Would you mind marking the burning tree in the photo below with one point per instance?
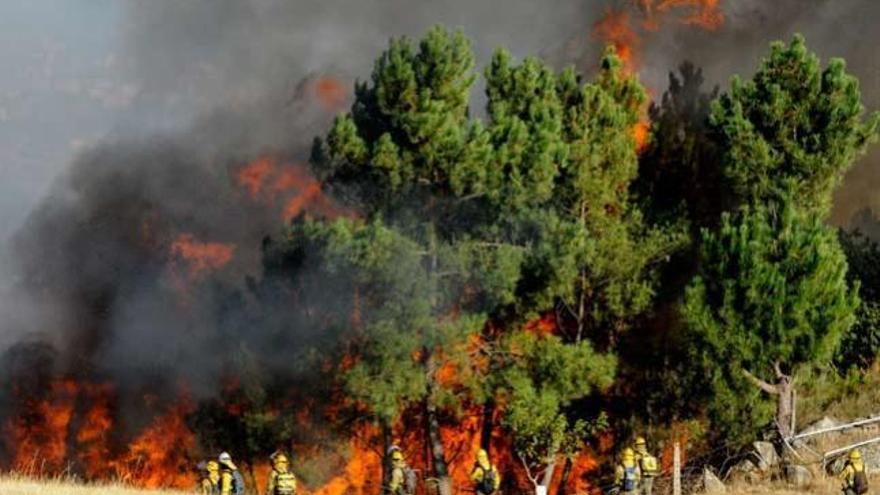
(466, 224)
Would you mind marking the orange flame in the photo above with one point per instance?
(266, 180)
(93, 436)
(615, 28)
(362, 468)
(252, 176)
(200, 257)
(330, 93)
(544, 325)
(705, 14)
(159, 456)
(38, 437)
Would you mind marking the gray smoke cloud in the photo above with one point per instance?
(225, 81)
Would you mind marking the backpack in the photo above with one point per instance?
(285, 483)
(237, 483)
(487, 484)
(648, 463)
(410, 479)
(629, 478)
(860, 482)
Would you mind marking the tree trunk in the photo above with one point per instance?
(784, 390)
(486, 427)
(548, 474)
(386, 446)
(438, 455)
(566, 473)
(785, 406)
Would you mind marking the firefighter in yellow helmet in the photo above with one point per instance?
(485, 475)
(231, 481)
(648, 466)
(627, 474)
(853, 475)
(402, 479)
(281, 480)
(210, 483)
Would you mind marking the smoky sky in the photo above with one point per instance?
(137, 111)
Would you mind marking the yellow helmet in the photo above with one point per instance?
(628, 454)
(278, 458)
(212, 466)
(640, 441)
(483, 457)
(397, 455)
(855, 455)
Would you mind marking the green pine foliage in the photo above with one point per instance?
(468, 228)
(772, 289)
(771, 294)
(793, 126)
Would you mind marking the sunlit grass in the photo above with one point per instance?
(19, 485)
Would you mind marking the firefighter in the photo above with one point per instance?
(485, 475)
(210, 484)
(853, 475)
(627, 474)
(648, 466)
(402, 480)
(231, 482)
(281, 480)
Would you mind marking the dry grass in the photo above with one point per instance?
(15, 485)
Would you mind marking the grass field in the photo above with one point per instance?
(11, 485)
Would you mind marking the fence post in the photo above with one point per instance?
(676, 469)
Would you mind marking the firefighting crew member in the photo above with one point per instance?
(627, 474)
(485, 475)
(648, 467)
(210, 484)
(231, 481)
(853, 475)
(397, 484)
(281, 479)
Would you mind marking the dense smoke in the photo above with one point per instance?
(97, 281)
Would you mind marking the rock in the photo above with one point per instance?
(798, 476)
(745, 471)
(711, 483)
(822, 424)
(766, 454)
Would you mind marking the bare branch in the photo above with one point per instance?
(528, 469)
(778, 370)
(766, 387)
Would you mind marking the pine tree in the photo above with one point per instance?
(793, 127)
(771, 295)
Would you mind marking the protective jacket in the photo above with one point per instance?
(281, 482)
(627, 476)
(648, 466)
(486, 478)
(231, 482)
(853, 477)
(210, 484)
